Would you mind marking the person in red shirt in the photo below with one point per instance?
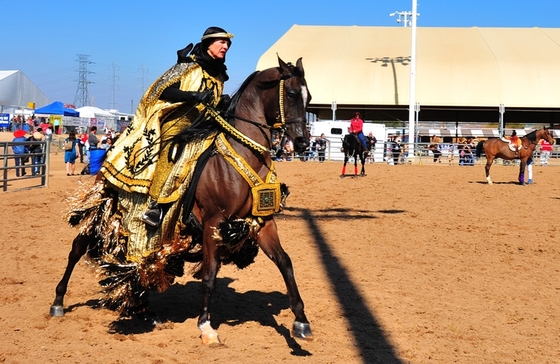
(546, 150)
(357, 127)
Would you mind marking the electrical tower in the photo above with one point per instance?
(114, 86)
(82, 95)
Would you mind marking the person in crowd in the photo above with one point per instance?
(276, 149)
(83, 146)
(357, 127)
(322, 143)
(72, 154)
(49, 133)
(396, 149)
(288, 149)
(175, 101)
(371, 141)
(450, 154)
(20, 152)
(56, 123)
(36, 151)
(93, 141)
(546, 151)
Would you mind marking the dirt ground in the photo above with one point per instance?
(410, 264)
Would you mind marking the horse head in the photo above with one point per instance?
(545, 134)
(294, 97)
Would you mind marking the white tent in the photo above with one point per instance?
(93, 112)
(16, 91)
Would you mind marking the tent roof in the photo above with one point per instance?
(16, 90)
(57, 108)
(470, 67)
(92, 112)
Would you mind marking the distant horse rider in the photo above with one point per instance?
(357, 128)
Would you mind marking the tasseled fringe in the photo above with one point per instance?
(239, 236)
(126, 284)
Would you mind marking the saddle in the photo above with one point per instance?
(514, 145)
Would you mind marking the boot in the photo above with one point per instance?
(153, 214)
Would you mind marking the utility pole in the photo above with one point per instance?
(82, 94)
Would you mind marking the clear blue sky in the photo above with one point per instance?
(130, 43)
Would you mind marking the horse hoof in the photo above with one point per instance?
(302, 330)
(209, 336)
(57, 311)
(530, 182)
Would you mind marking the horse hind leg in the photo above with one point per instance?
(487, 169)
(79, 248)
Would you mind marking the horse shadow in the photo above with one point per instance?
(181, 302)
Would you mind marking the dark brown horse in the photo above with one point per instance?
(229, 220)
(353, 148)
(498, 148)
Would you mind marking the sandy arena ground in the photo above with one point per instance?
(410, 264)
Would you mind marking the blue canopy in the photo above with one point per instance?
(57, 108)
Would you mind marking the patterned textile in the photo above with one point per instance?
(135, 157)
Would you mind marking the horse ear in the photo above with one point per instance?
(299, 66)
(284, 68)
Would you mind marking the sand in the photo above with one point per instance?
(410, 264)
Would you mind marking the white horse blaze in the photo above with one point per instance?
(304, 95)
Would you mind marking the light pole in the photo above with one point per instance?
(412, 98)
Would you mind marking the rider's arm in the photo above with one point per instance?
(174, 94)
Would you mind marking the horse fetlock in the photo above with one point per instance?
(302, 330)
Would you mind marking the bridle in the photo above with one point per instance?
(280, 124)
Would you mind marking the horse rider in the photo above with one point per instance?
(142, 159)
(357, 128)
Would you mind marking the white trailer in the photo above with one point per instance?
(335, 130)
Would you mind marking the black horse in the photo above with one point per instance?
(353, 148)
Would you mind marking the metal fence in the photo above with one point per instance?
(33, 173)
(446, 153)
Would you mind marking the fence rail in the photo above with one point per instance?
(423, 154)
(33, 173)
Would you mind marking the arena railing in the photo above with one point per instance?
(9, 182)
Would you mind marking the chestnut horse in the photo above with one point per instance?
(498, 148)
(353, 148)
(222, 219)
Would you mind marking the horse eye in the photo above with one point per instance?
(292, 94)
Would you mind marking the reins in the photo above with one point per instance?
(280, 123)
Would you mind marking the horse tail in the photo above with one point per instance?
(479, 149)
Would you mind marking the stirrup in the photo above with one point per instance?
(153, 215)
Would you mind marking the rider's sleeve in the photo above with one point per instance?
(174, 94)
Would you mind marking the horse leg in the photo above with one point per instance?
(489, 161)
(79, 248)
(210, 266)
(343, 173)
(355, 166)
(363, 160)
(269, 242)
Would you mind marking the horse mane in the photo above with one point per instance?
(532, 136)
(237, 94)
